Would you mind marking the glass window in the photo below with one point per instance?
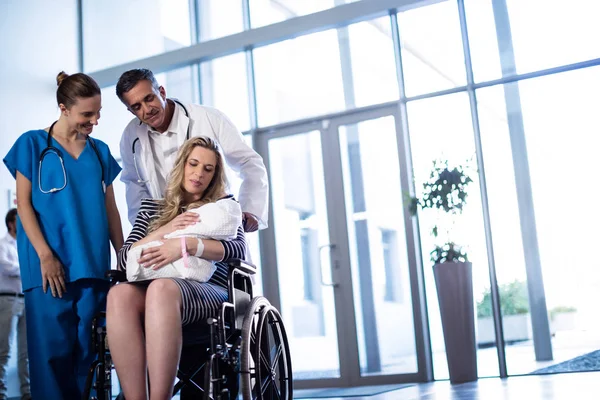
(266, 12)
(441, 128)
(432, 53)
(220, 18)
(545, 34)
(562, 32)
(325, 72)
(181, 84)
(224, 84)
(298, 78)
(485, 56)
(132, 30)
(372, 62)
(560, 122)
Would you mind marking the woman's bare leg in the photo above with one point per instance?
(125, 330)
(163, 336)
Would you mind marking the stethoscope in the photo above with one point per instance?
(135, 164)
(53, 150)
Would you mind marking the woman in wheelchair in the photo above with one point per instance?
(144, 319)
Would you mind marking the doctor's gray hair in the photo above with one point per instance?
(72, 87)
(131, 78)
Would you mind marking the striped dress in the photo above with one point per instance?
(201, 300)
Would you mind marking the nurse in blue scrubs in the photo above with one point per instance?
(67, 219)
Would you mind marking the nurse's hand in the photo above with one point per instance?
(53, 275)
(159, 256)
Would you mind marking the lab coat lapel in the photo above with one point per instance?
(180, 124)
(149, 170)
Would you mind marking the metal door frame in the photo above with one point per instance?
(328, 127)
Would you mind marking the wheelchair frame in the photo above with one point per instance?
(248, 349)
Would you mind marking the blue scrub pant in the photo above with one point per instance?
(59, 337)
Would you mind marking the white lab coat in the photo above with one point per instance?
(204, 121)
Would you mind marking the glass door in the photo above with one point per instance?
(345, 275)
(302, 249)
(381, 261)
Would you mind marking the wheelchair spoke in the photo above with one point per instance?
(277, 357)
(265, 360)
(265, 385)
(276, 391)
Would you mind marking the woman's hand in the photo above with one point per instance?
(159, 256)
(53, 275)
(180, 222)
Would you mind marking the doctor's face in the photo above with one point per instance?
(84, 114)
(199, 171)
(147, 103)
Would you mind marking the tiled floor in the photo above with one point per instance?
(571, 386)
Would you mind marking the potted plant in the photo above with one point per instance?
(514, 304)
(445, 194)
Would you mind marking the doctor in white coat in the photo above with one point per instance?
(150, 143)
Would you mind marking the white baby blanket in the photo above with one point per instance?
(219, 221)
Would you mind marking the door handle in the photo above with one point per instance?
(323, 283)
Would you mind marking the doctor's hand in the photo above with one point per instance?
(159, 256)
(250, 222)
(53, 275)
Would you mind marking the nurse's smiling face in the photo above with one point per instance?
(84, 114)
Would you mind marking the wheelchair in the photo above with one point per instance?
(243, 350)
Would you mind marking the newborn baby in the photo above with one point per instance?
(218, 221)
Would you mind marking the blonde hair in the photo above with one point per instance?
(174, 202)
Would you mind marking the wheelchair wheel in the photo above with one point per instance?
(266, 368)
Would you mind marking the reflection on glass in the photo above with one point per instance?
(266, 12)
(132, 30)
(379, 262)
(562, 153)
(302, 236)
(219, 18)
(441, 127)
(432, 54)
(225, 87)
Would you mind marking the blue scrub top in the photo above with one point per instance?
(74, 220)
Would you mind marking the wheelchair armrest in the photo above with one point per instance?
(242, 265)
(115, 275)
